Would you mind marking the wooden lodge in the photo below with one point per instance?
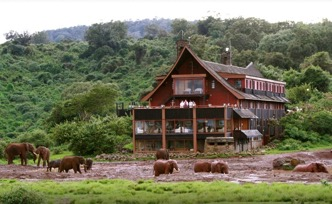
(203, 106)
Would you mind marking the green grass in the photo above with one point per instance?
(61, 155)
(148, 191)
(276, 151)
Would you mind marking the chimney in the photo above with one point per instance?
(226, 57)
(180, 44)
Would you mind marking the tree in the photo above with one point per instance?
(317, 78)
(321, 59)
(95, 136)
(299, 93)
(99, 100)
(276, 59)
(292, 78)
(109, 34)
(39, 38)
(17, 38)
(277, 42)
(179, 26)
(151, 31)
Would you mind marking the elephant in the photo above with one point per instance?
(202, 166)
(312, 167)
(72, 162)
(165, 166)
(219, 167)
(44, 154)
(21, 149)
(89, 164)
(162, 154)
(54, 164)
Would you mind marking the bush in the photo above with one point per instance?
(37, 137)
(3, 145)
(21, 195)
(290, 144)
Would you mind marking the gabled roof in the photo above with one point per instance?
(250, 70)
(214, 69)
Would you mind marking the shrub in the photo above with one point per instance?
(3, 145)
(37, 137)
(22, 195)
(289, 144)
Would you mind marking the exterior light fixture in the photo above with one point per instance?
(213, 84)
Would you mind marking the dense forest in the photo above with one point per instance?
(58, 88)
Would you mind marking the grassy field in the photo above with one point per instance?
(148, 191)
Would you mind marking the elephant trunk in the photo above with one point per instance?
(34, 156)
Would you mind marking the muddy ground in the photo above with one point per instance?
(255, 169)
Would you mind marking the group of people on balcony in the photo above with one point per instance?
(186, 104)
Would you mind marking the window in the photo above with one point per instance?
(238, 84)
(148, 127)
(188, 85)
(179, 126)
(248, 84)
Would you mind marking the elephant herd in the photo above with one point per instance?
(164, 165)
(43, 153)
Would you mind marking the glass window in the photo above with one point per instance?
(183, 126)
(220, 126)
(148, 127)
(238, 84)
(189, 86)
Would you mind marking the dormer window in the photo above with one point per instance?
(188, 84)
(238, 84)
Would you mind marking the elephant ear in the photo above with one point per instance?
(26, 145)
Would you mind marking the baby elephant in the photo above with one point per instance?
(312, 167)
(44, 154)
(88, 162)
(72, 162)
(164, 166)
(54, 164)
(219, 167)
(202, 166)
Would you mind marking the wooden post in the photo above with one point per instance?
(134, 131)
(163, 127)
(194, 129)
(225, 120)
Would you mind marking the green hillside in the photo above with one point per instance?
(45, 87)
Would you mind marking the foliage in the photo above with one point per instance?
(317, 78)
(18, 38)
(45, 84)
(20, 195)
(37, 137)
(309, 123)
(98, 135)
(99, 99)
(290, 144)
(299, 93)
(319, 59)
(321, 123)
(3, 145)
(39, 38)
